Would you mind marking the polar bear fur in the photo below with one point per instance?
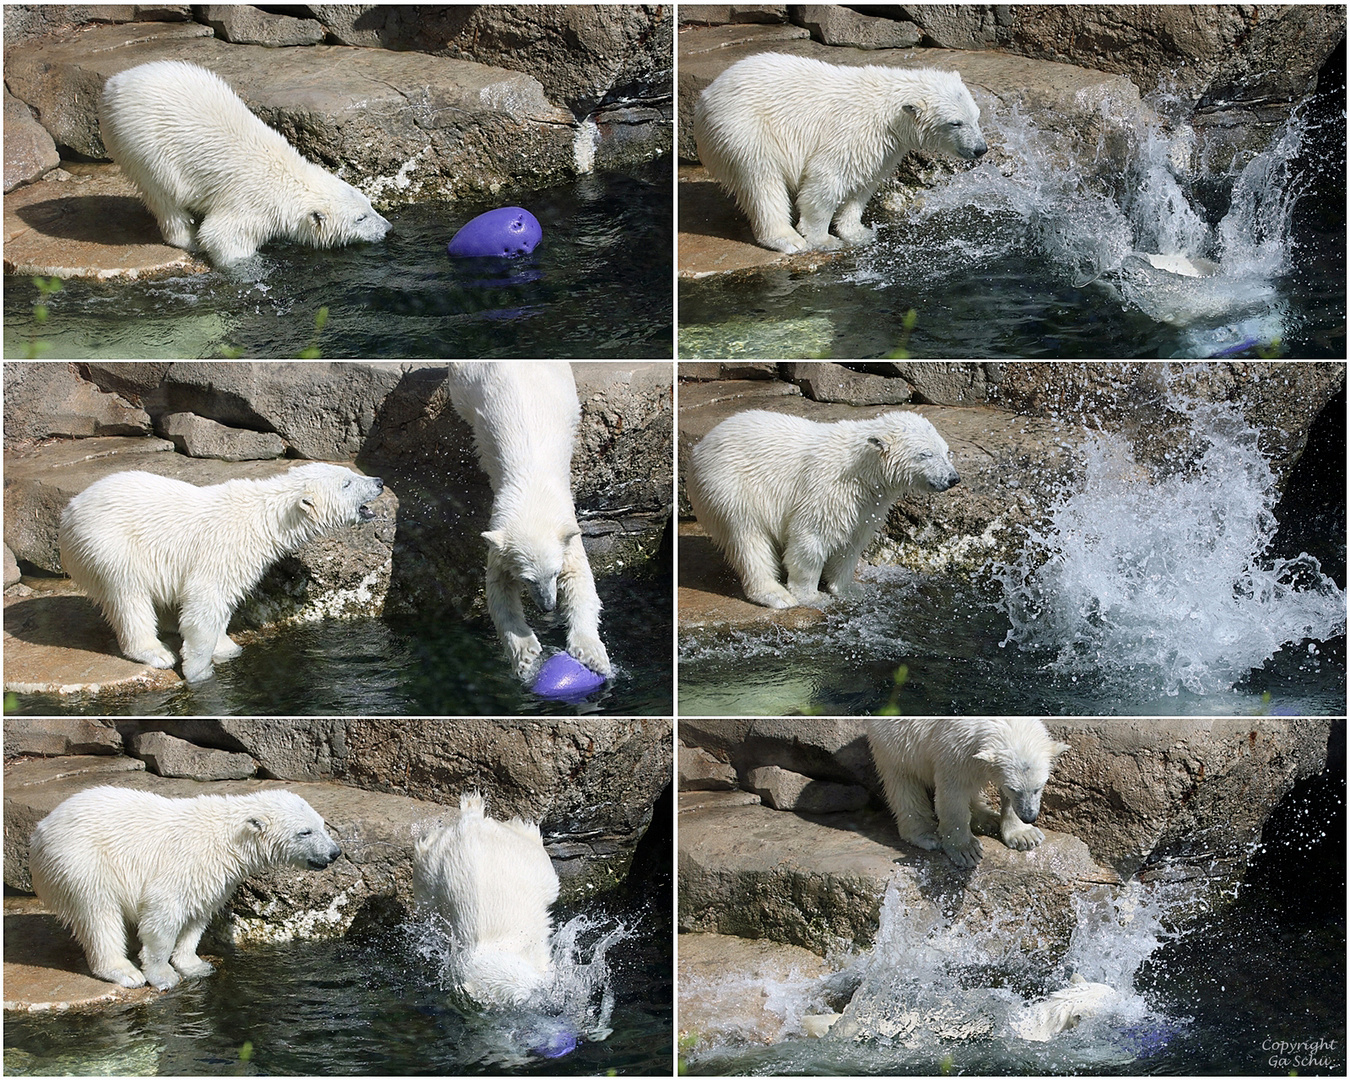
(944, 765)
(1062, 1010)
(774, 128)
(136, 542)
(492, 882)
(109, 857)
(776, 491)
(216, 177)
(524, 417)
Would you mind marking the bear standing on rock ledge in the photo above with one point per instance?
(216, 177)
(773, 128)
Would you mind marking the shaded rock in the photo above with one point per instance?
(246, 25)
(836, 383)
(753, 872)
(727, 983)
(830, 750)
(784, 790)
(710, 593)
(171, 757)
(43, 401)
(714, 14)
(831, 24)
(696, 372)
(937, 382)
(400, 126)
(198, 437)
(92, 225)
(1171, 798)
(57, 738)
(29, 150)
(702, 771)
(283, 749)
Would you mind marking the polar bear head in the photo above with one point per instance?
(946, 118)
(533, 556)
(913, 456)
(284, 830)
(331, 495)
(1021, 753)
(335, 213)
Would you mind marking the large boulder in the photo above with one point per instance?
(44, 401)
(29, 150)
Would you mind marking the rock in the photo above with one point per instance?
(728, 983)
(58, 738)
(831, 24)
(591, 783)
(283, 749)
(12, 572)
(29, 150)
(611, 468)
(1175, 798)
(695, 372)
(753, 872)
(784, 790)
(702, 771)
(828, 750)
(401, 126)
(89, 226)
(941, 383)
(713, 14)
(710, 594)
(836, 383)
(170, 757)
(246, 25)
(198, 437)
(44, 401)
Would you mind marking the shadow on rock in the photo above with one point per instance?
(106, 220)
(68, 622)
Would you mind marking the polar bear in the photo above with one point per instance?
(778, 491)
(944, 765)
(135, 542)
(524, 417)
(773, 128)
(215, 176)
(492, 882)
(111, 856)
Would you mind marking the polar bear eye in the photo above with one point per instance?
(956, 123)
(306, 832)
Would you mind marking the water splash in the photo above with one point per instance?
(1164, 580)
(1142, 234)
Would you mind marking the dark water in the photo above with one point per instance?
(947, 636)
(1226, 994)
(598, 286)
(426, 666)
(345, 1008)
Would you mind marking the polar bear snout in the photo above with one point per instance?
(325, 859)
(545, 593)
(364, 512)
(1026, 804)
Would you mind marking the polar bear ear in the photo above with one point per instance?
(317, 218)
(257, 825)
(496, 539)
(878, 442)
(568, 534)
(307, 503)
(910, 109)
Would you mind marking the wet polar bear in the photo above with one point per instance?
(773, 128)
(524, 417)
(776, 491)
(109, 857)
(136, 542)
(944, 765)
(215, 176)
(492, 882)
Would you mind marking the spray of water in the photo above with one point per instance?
(1164, 581)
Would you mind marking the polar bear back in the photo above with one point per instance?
(123, 844)
(774, 113)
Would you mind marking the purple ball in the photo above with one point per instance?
(565, 678)
(508, 231)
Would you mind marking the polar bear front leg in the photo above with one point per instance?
(157, 944)
(912, 806)
(848, 221)
(226, 649)
(766, 202)
(133, 619)
(1016, 833)
(508, 616)
(227, 238)
(185, 959)
(839, 573)
(804, 559)
(581, 607)
(817, 199)
(951, 800)
(201, 620)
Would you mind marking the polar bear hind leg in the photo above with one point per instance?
(185, 959)
(581, 606)
(766, 202)
(913, 808)
(102, 932)
(134, 621)
(952, 801)
(227, 239)
(755, 559)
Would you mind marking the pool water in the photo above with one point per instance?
(1201, 989)
(597, 286)
(375, 1006)
(414, 666)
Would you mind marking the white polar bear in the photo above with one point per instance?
(773, 127)
(110, 856)
(215, 176)
(524, 417)
(493, 882)
(944, 765)
(137, 542)
(775, 490)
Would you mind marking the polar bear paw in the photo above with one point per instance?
(789, 243)
(193, 967)
(155, 656)
(525, 652)
(162, 976)
(856, 234)
(963, 852)
(122, 972)
(1022, 837)
(226, 649)
(590, 650)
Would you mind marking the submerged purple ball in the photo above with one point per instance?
(508, 231)
(566, 678)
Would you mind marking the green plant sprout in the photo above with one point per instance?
(46, 287)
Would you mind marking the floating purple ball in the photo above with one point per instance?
(558, 1044)
(565, 678)
(507, 231)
